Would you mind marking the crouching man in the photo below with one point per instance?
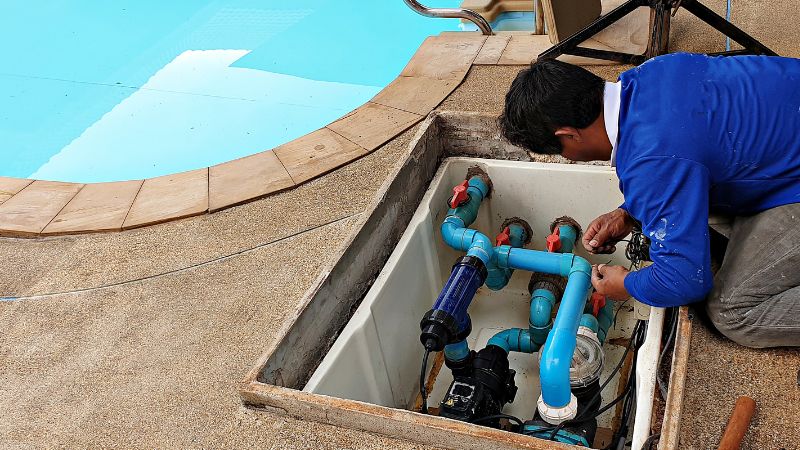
(688, 135)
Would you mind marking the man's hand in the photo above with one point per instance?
(610, 281)
(605, 231)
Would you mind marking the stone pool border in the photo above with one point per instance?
(35, 208)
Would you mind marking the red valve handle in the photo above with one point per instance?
(504, 238)
(598, 302)
(554, 241)
(459, 194)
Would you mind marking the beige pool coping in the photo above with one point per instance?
(31, 208)
(35, 208)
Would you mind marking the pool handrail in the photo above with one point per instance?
(454, 13)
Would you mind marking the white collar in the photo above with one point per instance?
(611, 99)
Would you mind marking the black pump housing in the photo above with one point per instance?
(481, 391)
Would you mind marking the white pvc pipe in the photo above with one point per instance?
(646, 369)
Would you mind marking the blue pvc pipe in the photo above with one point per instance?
(514, 340)
(589, 321)
(542, 303)
(568, 235)
(454, 228)
(517, 235)
(457, 351)
(499, 277)
(537, 261)
(456, 234)
(605, 319)
(468, 212)
(560, 344)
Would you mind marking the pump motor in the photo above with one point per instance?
(480, 389)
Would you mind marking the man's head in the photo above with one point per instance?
(557, 108)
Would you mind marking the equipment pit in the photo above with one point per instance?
(352, 355)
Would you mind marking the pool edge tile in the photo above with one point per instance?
(245, 179)
(98, 207)
(492, 50)
(169, 197)
(418, 95)
(372, 125)
(317, 153)
(28, 212)
(446, 56)
(523, 49)
(10, 187)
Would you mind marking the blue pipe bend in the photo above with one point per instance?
(514, 340)
(560, 345)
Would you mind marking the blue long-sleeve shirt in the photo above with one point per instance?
(700, 134)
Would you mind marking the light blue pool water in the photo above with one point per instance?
(96, 90)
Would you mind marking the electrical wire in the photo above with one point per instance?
(422, 389)
(652, 439)
(508, 417)
(638, 248)
(621, 434)
(663, 384)
(614, 323)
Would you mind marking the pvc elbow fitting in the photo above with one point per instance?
(514, 340)
(580, 265)
(480, 246)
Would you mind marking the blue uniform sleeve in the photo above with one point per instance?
(669, 196)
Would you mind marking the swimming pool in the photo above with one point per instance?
(101, 91)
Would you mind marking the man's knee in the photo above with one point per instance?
(730, 321)
(742, 332)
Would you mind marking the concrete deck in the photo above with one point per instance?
(140, 338)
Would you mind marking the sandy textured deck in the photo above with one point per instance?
(139, 338)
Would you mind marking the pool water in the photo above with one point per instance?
(96, 91)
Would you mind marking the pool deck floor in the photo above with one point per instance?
(140, 338)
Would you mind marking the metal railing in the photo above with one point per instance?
(454, 13)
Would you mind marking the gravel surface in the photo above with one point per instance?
(719, 372)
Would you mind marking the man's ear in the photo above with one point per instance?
(569, 133)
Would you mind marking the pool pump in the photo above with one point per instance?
(569, 346)
(481, 386)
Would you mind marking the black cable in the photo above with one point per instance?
(663, 385)
(638, 248)
(422, 390)
(614, 324)
(500, 416)
(648, 444)
(620, 436)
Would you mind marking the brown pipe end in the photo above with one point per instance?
(521, 222)
(738, 424)
(567, 220)
(476, 171)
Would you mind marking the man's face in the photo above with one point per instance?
(576, 151)
(588, 144)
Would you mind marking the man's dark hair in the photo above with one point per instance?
(548, 95)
